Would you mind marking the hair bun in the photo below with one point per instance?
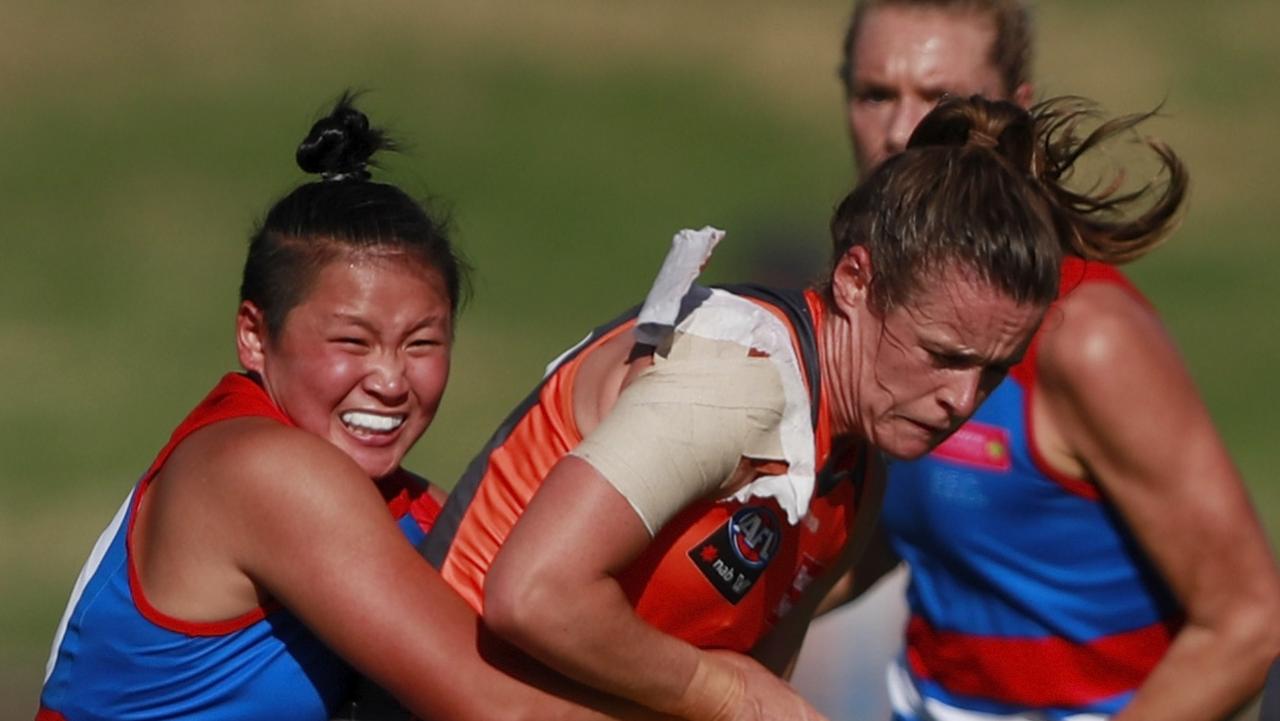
(340, 145)
(983, 138)
(998, 126)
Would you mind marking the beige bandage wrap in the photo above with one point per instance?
(678, 432)
(727, 383)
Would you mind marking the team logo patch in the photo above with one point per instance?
(735, 554)
(977, 445)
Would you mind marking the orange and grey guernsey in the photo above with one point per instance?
(721, 573)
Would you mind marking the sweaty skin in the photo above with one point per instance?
(1184, 501)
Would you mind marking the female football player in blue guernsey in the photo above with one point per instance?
(1083, 546)
(269, 550)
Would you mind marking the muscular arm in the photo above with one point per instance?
(552, 592)
(311, 530)
(1116, 402)
(677, 433)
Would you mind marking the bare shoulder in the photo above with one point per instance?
(1098, 332)
(251, 464)
(252, 447)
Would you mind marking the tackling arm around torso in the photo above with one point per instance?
(281, 515)
(1113, 403)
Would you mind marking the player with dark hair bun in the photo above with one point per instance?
(263, 556)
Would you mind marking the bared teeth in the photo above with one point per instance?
(372, 421)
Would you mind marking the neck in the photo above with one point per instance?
(841, 368)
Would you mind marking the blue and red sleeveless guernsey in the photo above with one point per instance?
(720, 574)
(1027, 590)
(115, 656)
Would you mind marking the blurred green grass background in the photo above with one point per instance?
(568, 139)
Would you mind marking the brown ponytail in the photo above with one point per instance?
(1103, 220)
(982, 189)
(1045, 143)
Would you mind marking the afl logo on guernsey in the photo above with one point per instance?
(735, 554)
(753, 533)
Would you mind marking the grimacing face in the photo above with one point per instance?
(363, 360)
(905, 60)
(927, 364)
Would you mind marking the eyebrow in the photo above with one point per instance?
(434, 319)
(973, 357)
(353, 320)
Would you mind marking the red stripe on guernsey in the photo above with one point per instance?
(235, 396)
(1014, 670)
(425, 510)
(401, 491)
(45, 714)
(1075, 273)
(979, 445)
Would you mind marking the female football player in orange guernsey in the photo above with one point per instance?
(685, 485)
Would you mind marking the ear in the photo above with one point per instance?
(851, 280)
(1023, 95)
(251, 337)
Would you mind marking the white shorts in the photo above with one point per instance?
(909, 704)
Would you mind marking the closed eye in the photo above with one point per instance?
(949, 360)
(424, 345)
(349, 341)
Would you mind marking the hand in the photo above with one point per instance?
(728, 686)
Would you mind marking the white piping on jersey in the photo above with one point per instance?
(86, 573)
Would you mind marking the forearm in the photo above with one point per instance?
(1207, 673)
(519, 665)
(451, 668)
(589, 632)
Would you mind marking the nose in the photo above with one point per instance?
(907, 113)
(961, 395)
(385, 378)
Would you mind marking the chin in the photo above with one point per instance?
(377, 466)
(380, 470)
(907, 447)
(906, 452)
